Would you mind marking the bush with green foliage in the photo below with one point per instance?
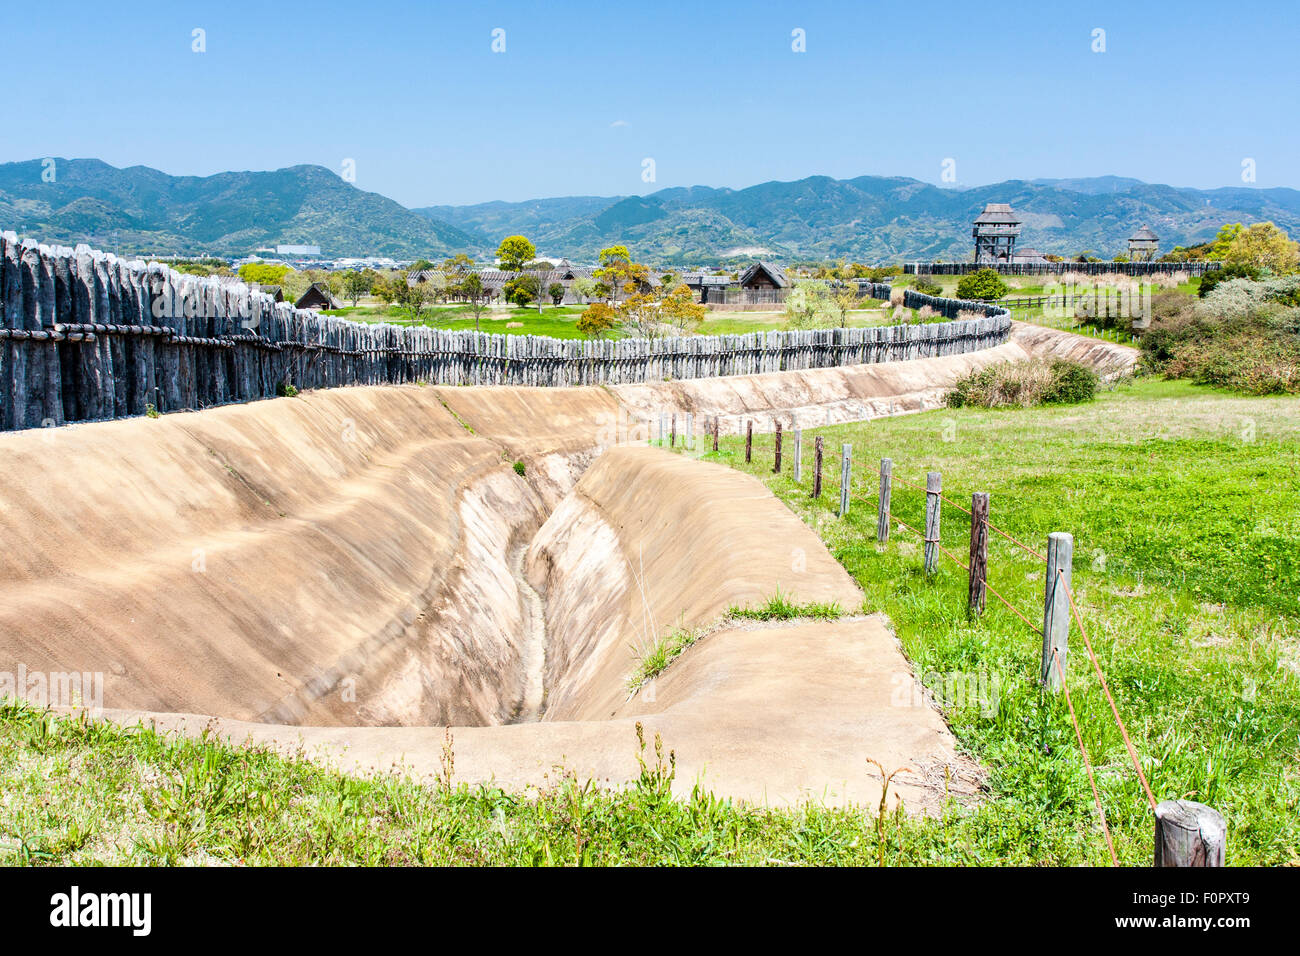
(985, 285)
(1211, 279)
(521, 290)
(926, 285)
(1024, 384)
(1243, 336)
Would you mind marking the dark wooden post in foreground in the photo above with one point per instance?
(933, 487)
(1056, 607)
(882, 516)
(1189, 834)
(715, 432)
(817, 467)
(979, 552)
(672, 442)
(798, 455)
(776, 467)
(846, 477)
(749, 442)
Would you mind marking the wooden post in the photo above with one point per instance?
(1056, 607)
(846, 477)
(689, 440)
(776, 468)
(672, 440)
(979, 553)
(817, 467)
(933, 486)
(882, 517)
(1189, 834)
(749, 442)
(715, 432)
(798, 455)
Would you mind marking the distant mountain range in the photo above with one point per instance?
(867, 219)
(229, 214)
(871, 218)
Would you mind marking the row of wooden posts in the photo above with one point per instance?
(1186, 833)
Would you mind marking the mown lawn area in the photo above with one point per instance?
(1187, 541)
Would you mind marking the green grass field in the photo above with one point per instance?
(1182, 503)
(1187, 570)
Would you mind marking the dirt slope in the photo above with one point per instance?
(826, 396)
(276, 560)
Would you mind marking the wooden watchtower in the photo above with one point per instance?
(1142, 245)
(995, 233)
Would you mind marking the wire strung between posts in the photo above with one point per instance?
(1087, 763)
(1132, 751)
(992, 590)
(1016, 541)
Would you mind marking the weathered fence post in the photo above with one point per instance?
(749, 442)
(1056, 607)
(689, 440)
(1189, 834)
(882, 516)
(672, 440)
(776, 467)
(979, 552)
(715, 432)
(817, 467)
(846, 477)
(933, 487)
(798, 455)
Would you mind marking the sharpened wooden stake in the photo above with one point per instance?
(715, 432)
(1056, 607)
(749, 442)
(776, 467)
(979, 553)
(817, 467)
(933, 488)
(882, 515)
(1189, 834)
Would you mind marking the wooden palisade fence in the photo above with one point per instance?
(86, 335)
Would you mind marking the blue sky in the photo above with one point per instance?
(712, 92)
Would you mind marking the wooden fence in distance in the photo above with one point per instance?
(87, 336)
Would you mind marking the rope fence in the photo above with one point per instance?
(1186, 833)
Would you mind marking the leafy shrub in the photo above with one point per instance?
(520, 468)
(1023, 384)
(927, 286)
(985, 284)
(286, 390)
(1211, 279)
(1243, 336)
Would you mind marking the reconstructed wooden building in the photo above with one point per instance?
(995, 231)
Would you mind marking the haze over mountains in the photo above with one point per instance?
(867, 219)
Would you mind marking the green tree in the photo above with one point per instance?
(476, 294)
(515, 252)
(356, 284)
(556, 292)
(619, 273)
(521, 290)
(1263, 246)
(1227, 233)
(985, 285)
(263, 273)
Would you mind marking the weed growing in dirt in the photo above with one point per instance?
(781, 607)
